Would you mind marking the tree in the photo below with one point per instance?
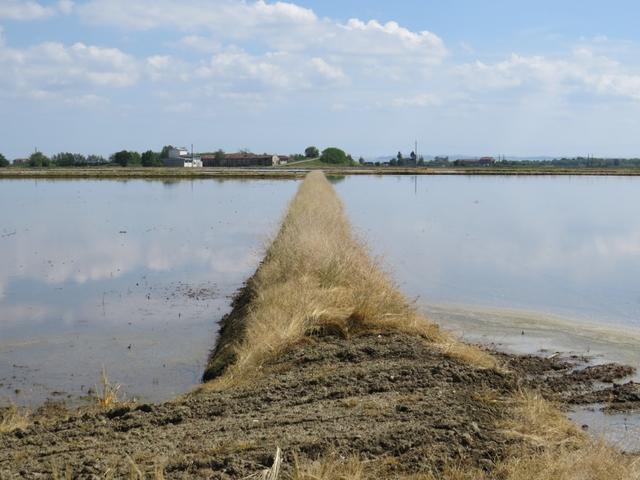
(67, 159)
(96, 159)
(414, 157)
(400, 157)
(393, 162)
(150, 159)
(334, 155)
(122, 158)
(165, 151)
(311, 152)
(39, 159)
(361, 161)
(3, 161)
(219, 155)
(135, 158)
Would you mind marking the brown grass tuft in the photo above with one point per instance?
(540, 422)
(317, 275)
(12, 418)
(107, 396)
(331, 467)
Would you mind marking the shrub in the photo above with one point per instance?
(334, 155)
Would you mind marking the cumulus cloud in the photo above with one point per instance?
(31, 10)
(237, 18)
(326, 70)
(582, 70)
(277, 26)
(21, 10)
(52, 69)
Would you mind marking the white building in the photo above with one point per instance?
(180, 157)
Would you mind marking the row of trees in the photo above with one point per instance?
(411, 161)
(123, 158)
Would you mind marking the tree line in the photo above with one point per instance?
(123, 158)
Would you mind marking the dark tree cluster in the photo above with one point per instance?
(411, 161)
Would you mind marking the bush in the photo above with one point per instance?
(151, 159)
(3, 161)
(122, 158)
(334, 155)
(39, 159)
(66, 159)
(311, 152)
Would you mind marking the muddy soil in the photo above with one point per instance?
(392, 399)
(572, 381)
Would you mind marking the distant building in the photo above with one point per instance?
(478, 162)
(180, 157)
(244, 159)
(21, 161)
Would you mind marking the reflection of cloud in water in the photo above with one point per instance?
(14, 314)
(109, 237)
(560, 244)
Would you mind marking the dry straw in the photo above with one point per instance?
(317, 275)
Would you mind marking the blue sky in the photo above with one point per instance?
(479, 78)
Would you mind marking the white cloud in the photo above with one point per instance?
(201, 44)
(329, 72)
(278, 26)
(234, 17)
(31, 10)
(420, 100)
(240, 66)
(65, 6)
(24, 10)
(51, 69)
(581, 71)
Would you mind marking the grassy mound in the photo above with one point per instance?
(316, 276)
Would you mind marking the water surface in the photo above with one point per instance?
(134, 275)
(568, 246)
(131, 276)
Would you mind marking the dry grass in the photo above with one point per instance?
(317, 275)
(331, 467)
(540, 422)
(107, 396)
(13, 418)
(594, 461)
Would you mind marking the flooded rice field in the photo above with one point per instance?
(130, 276)
(133, 276)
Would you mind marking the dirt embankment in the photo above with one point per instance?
(324, 358)
(392, 400)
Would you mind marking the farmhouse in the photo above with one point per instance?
(478, 162)
(180, 157)
(243, 159)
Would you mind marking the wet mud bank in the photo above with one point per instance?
(389, 399)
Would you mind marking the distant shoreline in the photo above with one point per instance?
(293, 172)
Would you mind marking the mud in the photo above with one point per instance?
(391, 399)
(572, 381)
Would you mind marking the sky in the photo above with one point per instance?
(497, 77)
